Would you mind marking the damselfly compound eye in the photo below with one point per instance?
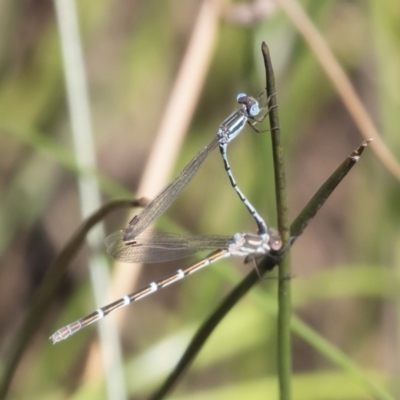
(276, 244)
(254, 109)
(239, 96)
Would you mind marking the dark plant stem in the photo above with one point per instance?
(284, 352)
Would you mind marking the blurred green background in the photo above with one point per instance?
(346, 265)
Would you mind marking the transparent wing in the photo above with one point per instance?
(165, 198)
(152, 247)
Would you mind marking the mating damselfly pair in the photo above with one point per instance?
(136, 244)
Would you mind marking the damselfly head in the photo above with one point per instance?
(252, 106)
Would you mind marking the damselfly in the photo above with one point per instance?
(155, 247)
(228, 130)
(223, 148)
